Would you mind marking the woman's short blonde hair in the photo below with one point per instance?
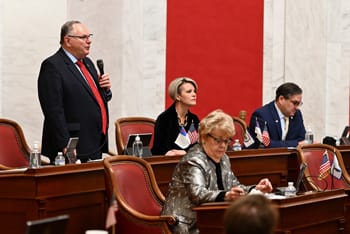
(216, 120)
(175, 86)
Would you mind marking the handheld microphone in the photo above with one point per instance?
(99, 63)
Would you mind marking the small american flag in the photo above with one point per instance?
(113, 208)
(325, 166)
(265, 137)
(193, 134)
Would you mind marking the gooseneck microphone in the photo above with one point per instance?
(99, 63)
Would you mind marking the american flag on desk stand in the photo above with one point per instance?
(325, 166)
(265, 136)
(192, 134)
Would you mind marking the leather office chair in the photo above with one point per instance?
(14, 151)
(132, 125)
(138, 197)
(241, 128)
(312, 155)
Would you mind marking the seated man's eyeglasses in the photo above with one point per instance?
(82, 37)
(296, 103)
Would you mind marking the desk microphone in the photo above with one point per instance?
(99, 63)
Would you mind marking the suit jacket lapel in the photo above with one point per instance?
(76, 73)
(276, 119)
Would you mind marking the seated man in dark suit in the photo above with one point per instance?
(280, 122)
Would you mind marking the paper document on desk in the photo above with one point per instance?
(273, 196)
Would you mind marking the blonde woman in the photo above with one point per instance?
(176, 129)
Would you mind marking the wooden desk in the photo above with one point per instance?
(279, 165)
(77, 190)
(320, 212)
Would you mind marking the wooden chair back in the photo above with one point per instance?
(14, 150)
(241, 128)
(321, 160)
(138, 197)
(132, 125)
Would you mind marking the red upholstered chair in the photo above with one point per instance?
(14, 151)
(312, 155)
(241, 128)
(138, 197)
(132, 125)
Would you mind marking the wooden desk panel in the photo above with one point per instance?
(320, 212)
(77, 190)
(252, 165)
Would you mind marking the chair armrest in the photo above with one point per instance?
(171, 220)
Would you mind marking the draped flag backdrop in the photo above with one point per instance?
(220, 45)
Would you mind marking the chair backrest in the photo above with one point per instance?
(14, 151)
(137, 194)
(241, 128)
(321, 159)
(132, 125)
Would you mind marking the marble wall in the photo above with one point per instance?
(26, 38)
(305, 41)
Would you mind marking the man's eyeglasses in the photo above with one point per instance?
(296, 103)
(82, 37)
(219, 140)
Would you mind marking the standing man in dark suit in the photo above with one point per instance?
(74, 97)
(282, 118)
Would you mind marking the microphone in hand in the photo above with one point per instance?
(99, 63)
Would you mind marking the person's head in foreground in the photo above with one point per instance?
(252, 214)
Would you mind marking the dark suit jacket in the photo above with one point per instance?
(167, 129)
(268, 113)
(70, 108)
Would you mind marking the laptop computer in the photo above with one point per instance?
(145, 138)
(52, 225)
(281, 190)
(300, 176)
